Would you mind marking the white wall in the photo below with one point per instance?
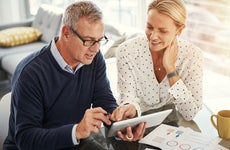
(12, 11)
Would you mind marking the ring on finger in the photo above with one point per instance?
(129, 138)
(95, 126)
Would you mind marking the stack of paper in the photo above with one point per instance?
(179, 138)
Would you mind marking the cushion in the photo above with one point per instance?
(10, 62)
(18, 36)
(48, 21)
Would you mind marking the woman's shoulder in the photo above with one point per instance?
(133, 46)
(136, 40)
(188, 47)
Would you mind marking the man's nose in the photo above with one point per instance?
(95, 47)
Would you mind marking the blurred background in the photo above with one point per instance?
(208, 24)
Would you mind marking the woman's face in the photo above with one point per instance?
(160, 30)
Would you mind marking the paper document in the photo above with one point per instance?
(179, 138)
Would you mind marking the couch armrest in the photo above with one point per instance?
(27, 22)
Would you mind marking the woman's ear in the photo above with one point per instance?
(180, 29)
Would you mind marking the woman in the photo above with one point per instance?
(160, 71)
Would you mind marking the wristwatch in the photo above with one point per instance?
(172, 74)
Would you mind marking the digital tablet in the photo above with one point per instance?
(150, 119)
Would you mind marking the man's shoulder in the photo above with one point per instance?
(28, 62)
(98, 59)
(32, 57)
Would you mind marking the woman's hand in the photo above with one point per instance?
(133, 134)
(123, 112)
(170, 56)
(130, 134)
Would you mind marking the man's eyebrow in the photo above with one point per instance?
(92, 38)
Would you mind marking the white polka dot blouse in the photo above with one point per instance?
(138, 85)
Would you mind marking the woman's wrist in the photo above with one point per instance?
(170, 69)
(172, 74)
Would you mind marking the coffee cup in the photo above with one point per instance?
(221, 121)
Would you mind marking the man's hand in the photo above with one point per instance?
(128, 111)
(91, 122)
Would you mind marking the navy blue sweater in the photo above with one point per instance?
(47, 101)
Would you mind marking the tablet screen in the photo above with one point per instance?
(151, 120)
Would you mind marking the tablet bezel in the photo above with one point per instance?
(151, 120)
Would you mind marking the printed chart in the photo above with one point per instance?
(179, 138)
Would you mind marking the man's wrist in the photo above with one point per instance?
(74, 137)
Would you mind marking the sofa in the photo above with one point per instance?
(11, 56)
(16, 43)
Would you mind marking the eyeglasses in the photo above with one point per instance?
(89, 43)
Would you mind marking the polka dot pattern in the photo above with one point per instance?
(137, 82)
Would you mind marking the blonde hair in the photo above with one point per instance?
(175, 9)
(81, 9)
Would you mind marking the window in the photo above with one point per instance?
(119, 11)
(34, 4)
(208, 27)
(208, 24)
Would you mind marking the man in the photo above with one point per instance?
(53, 89)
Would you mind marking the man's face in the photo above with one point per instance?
(76, 51)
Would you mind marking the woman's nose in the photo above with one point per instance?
(153, 35)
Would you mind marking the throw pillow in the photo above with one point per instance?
(18, 36)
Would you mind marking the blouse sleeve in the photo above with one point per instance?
(187, 91)
(126, 85)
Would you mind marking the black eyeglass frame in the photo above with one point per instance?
(90, 43)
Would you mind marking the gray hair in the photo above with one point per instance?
(81, 9)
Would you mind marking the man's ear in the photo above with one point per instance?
(65, 31)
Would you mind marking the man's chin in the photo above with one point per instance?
(87, 62)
